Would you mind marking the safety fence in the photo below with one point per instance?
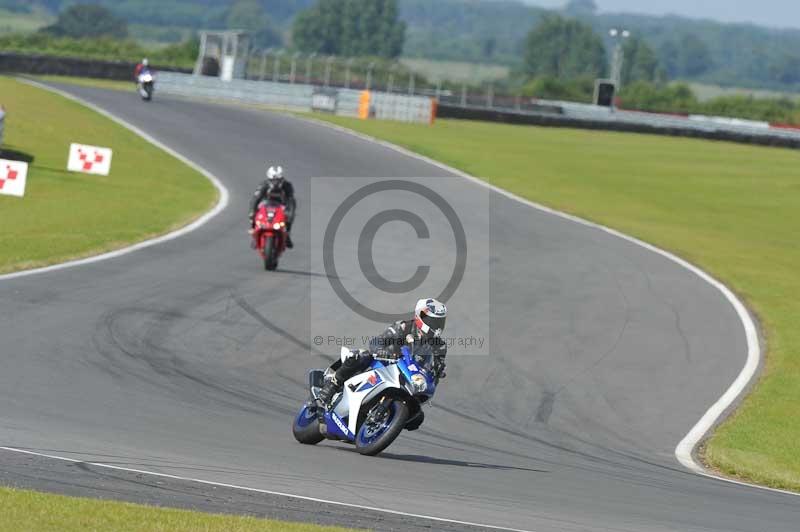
(301, 97)
(570, 114)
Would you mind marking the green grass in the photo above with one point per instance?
(29, 510)
(112, 84)
(69, 215)
(732, 209)
(456, 71)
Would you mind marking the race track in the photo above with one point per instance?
(188, 359)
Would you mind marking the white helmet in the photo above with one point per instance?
(429, 317)
(145, 62)
(275, 173)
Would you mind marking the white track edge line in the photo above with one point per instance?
(222, 202)
(684, 452)
(257, 490)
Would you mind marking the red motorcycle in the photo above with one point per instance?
(269, 233)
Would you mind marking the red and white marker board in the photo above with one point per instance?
(89, 159)
(13, 175)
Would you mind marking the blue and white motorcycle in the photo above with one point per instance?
(373, 407)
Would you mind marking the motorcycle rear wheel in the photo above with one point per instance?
(373, 437)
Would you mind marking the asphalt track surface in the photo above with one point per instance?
(189, 360)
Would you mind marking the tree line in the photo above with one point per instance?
(488, 31)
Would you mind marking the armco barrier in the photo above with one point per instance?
(630, 122)
(346, 102)
(70, 66)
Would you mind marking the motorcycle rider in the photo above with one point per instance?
(144, 65)
(275, 188)
(423, 331)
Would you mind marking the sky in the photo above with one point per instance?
(774, 13)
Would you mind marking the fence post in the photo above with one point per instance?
(309, 66)
(390, 84)
(328, 66)
(464, 95)
(370, 67)
(490, 96)
(276, 66)
(264, 55)
(347, 73)
(293, 73)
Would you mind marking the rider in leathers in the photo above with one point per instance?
(278, 189)
(421, 334)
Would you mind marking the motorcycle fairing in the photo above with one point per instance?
(353, 398)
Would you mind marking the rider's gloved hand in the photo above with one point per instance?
(440, 370)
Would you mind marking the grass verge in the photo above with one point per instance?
(29, 510)
(113, 84)
(732, 209)
(68, 215)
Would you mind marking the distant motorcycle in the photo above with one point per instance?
(373, 407)
(145, 84)
(269, 234)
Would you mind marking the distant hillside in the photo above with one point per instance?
(493, 31)
(698, 50)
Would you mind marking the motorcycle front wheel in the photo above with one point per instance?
(306, 427)
(270, 254)
(382, 424)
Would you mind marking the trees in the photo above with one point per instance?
(563, 48)
(85, 20)
(695, 56)
(641, 63)
(350, 28)
(250, 15)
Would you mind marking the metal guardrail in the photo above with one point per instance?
(703, 125)
(394, 106)
(296, 96)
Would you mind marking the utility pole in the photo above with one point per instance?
(619, 37)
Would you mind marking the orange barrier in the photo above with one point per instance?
(363, 105)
